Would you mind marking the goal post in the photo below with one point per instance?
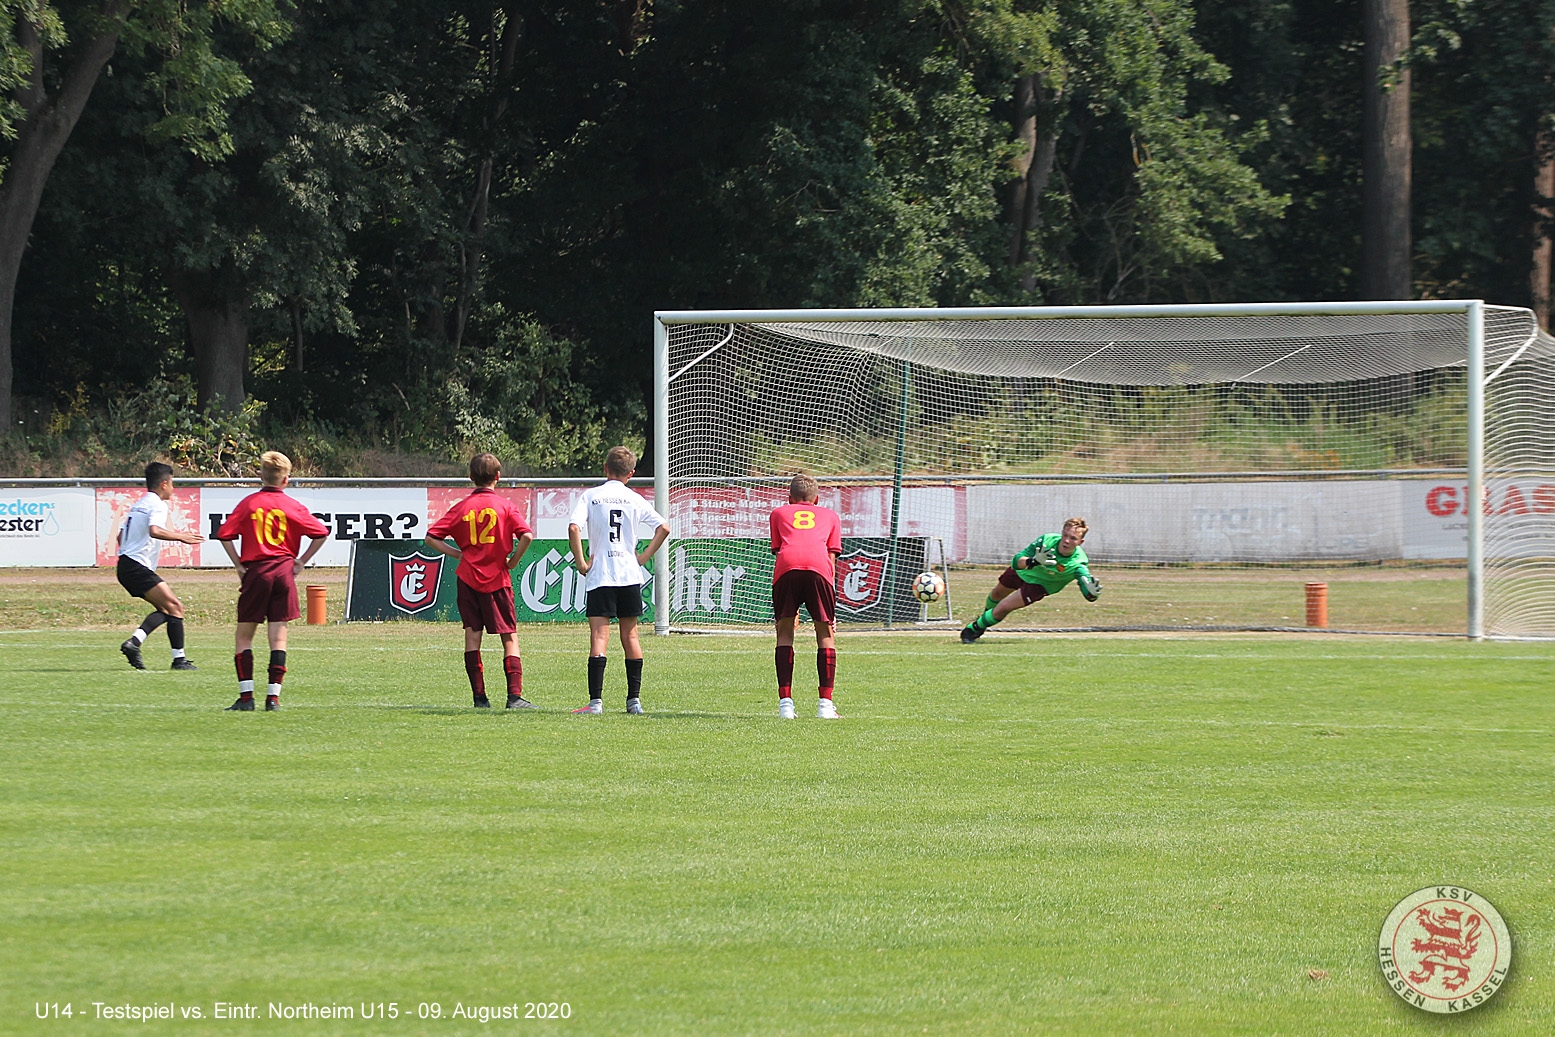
(931, 420)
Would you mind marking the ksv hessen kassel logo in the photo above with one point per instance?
(413, 581)
(1445, 949)
(860, 576)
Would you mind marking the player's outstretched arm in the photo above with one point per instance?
(1090, 586)
(520, 545)
(575, 538)
(158, 533)
(659, 536)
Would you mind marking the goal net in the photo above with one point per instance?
(1223, 457)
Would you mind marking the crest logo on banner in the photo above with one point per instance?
(1445, 949)
(860, 579)
(413, 581)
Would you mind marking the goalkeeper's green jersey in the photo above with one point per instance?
(1053, 579)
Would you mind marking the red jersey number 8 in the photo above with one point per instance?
(270, 526)
(804, 520)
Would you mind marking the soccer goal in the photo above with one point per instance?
(1225, 457)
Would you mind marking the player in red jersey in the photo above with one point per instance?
(491, 536)
(806, 539)
(271, 526)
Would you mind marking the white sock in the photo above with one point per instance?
(178, 653)
(275, 691)
(139, 636)
(245, 687)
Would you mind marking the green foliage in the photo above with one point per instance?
(205, 440)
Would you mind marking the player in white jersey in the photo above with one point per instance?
(139, 552)
(615, 518)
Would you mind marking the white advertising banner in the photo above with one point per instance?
(391, 513)
(47, 527)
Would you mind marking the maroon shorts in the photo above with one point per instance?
(489, 610)
(1029, 592)
(804, 587)
(268, 592)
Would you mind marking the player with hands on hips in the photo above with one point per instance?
(615, 517)
(1043, 567)
(271, 525)
(489, 537)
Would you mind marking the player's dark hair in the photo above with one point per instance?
(485, 469)
(620, 462)
(157, 473)
(803, 488)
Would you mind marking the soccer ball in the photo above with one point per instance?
(927, 587)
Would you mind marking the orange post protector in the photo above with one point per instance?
(1317, 605)
(318, 609)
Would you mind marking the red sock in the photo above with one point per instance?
(277, 674)
(826, 669)
(244, 661)
(476, 672)
(513, 666)
(784, 658)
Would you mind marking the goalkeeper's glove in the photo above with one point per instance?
(1043, 559)
(1089, 586)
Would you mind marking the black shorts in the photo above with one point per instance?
(615, 602)
(136, 578)
(1029, 592)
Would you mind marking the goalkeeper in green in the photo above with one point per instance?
(1045, 566)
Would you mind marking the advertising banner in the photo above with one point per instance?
(729, 580)
(390, 580)
(47, 527)
(351, 514)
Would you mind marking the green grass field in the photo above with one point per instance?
(1036, 834)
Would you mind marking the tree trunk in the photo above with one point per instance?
(1034, 109)
(218, 329)
(40, 137)
(1544, 189)
(1385, 233)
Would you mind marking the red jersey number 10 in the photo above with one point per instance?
(487, 533)
(270, 526)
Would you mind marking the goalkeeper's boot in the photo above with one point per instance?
(131, 652)
(272, 703)
(519, 702)
(826, 710)
(969, 635)
(244, 704)
(595, 707)
(182, 663)
(785, 709)
(634, 706)
(482, 702)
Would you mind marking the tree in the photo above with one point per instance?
(1385, 228)
(54, 53)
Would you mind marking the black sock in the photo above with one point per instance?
(596, 677)
(151, 622)
(175, 633)
(277, 658)
(634, 678)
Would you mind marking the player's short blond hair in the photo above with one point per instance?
(803, 489)
(274, 467)
(1076, 523)
(620, 462)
